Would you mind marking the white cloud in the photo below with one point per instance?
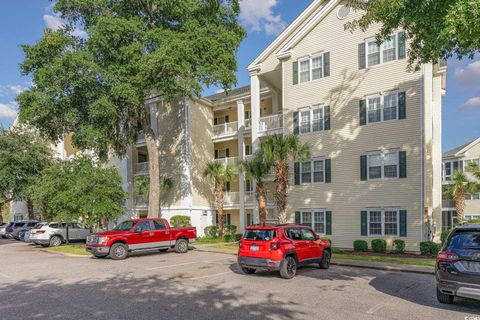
(258, 16)
(471, 103)
(9, 89)
(8, 111)
(470, 75)
(54, 22)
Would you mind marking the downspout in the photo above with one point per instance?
(422, 150)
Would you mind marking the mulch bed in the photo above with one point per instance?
(390, 255)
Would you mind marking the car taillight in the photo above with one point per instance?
(445, 256)
(40, 231)
(274, 245)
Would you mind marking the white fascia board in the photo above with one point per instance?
(461, 152)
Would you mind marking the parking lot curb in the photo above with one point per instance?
(347, 263)
(65, 254)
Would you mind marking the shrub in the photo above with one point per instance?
(336, 250)
(379, 245)
(327, 239)
(360, 245)
(444, 236)
(398, 246)
(429, 248)
(230, 230)
(211, 231)
(180, 221)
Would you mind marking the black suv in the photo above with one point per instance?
(458, 265)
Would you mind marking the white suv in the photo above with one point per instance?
(55, 233)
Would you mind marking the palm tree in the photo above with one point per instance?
(457, 189)
(142, 187)
(219, 173)
(257, 169)
(277, 151)
(474, 168)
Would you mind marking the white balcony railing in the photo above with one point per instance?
(270, 124)
(225, 129)
(141, 201)
(232, 160)
(249, 196)
(248, 123)
(231, 198)
(141, 138)
(142, 168)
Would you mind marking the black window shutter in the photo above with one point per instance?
(297, 173)
(401, 45)
(361, 56)
(363, 168)
(328, 222)
(297, 217)
(403, 223)
(460, 165)
(326, 117)
(328, 170)
(363, 223)
(226, 119)
(216, 154)
(227, 152)
(363, 112)
(402, 160)
(402, 107)
(326, 64)
(215, 121)
(296, 125)
(455, 166)
(295, 72)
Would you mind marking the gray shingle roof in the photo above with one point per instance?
(452, 152)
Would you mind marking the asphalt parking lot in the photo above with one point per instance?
(200, 285)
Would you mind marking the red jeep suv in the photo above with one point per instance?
(282, 248)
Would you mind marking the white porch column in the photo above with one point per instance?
(274, 102)
(255, 105)
(241, 152)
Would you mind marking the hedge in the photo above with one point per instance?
(360, 245)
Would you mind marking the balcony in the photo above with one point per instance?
(141, 202)
(231, 198)
(248, 124)
(142, 169)
(224, 130)
(232, 161)
(448, 204)
(270, 125)
(141, 139)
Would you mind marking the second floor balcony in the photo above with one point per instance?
(225, 129)
(448, 204)
(270, 125)
(231, 160)
(141, 202)
(142, 169)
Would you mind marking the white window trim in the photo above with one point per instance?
(221, 150)
(312, 171)
(368, 40)
(382, 96)
(311, 108)
(382, 210)
(310, 58)
(312, 212)
(383, 153)
(221, 117)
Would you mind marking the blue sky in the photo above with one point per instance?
(22, 22)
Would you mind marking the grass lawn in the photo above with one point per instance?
(206, 240)
(232, 246)
(397, 260)
(78, 249)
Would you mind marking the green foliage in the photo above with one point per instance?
(379, 245)
(94, 87)
(444, 236)
(360, 246)
(142, 185)
(473, 221)
(23, 156)
(211, 231)
(79, 190)
(435, 29)
(474, 168)
(230, 229)
(180, 221)
(337, 250)
(398, 246)
(327, 239)
(256, 168)
(219, 172)
(280, 148)
(429, 248)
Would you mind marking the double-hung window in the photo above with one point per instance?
(317, 67)
(312, 119)
(313, 67)
(304, 73)
(382, 107)
(386, 52)
(314, 219)
(383, 165)
(383, 222)
(312, 171)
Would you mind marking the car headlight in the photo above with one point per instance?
(102, 240)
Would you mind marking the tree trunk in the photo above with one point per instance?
(31, 214)
(261, 195)
(220, 214)
(460, 206)
(153, 167)
(281, 192)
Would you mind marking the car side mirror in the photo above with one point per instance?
(137, 230)
(317, 237)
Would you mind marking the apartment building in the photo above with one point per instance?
(458, 159)
(374, 131)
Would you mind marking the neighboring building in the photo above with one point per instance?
(374, 130)
(453, 160)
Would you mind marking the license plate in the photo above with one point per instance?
(254, 248)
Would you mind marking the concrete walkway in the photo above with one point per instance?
(341, 262)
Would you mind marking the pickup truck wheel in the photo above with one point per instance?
(181, 246)
(325, 263)
(444, 298)
(288, 267)
(55, 241)
(118, 251)
(248, 270)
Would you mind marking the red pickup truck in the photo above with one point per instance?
(140, 234)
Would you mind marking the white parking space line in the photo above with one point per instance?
(186, 264)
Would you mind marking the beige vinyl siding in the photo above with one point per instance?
(202, 153)
(347, 196)
(472, 207)
(232, 145)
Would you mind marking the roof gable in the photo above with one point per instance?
(459, 151)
